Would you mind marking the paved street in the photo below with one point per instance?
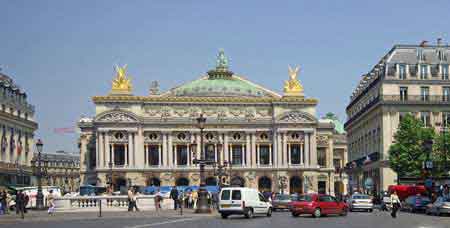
(173, 220)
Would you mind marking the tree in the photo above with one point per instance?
(406, 155)
(441, 153)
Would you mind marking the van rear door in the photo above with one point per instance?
(230, 199)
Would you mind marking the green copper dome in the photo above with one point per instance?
(221, 82)
(338, 125)
(232, 86)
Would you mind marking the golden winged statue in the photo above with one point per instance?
(122, 82)
(293, 87)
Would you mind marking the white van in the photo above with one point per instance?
(243, 201)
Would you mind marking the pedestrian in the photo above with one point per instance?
(174, 196)
(215, 200)
(51, 202)
(395, 201)
(134, 199)
(25, 202)
(19, 203)
(157, 201)
(130, 198)
(3, 201)
(194, 197)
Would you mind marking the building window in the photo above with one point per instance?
(337, 163)
(237, 136)
(403, 93)
(236, 154)
(264, 154)
(321, 157)
(424, 93)
(425, 117)
(444, 69)
(182, 154)
(423, 71)
(210, 152)
(295, 154)
(445, 93)
(402, 71)
(181, 136)
(446, 119)
(119, 154)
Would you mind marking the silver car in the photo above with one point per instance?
(281, 202)
(440, 206)
(360, 202)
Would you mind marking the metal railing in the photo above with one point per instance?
(418, 99)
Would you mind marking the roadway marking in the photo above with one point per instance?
(161, 223)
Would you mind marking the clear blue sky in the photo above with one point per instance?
(62, 52)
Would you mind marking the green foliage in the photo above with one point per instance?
(441, 153)
(406, 155)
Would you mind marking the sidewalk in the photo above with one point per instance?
(37, 216)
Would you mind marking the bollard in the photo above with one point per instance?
(181, 207)
(99, 207)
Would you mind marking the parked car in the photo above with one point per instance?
(317, 205)
(440, 206)
(243, 201)
(281, 202)
(416, 203)
(360, 202)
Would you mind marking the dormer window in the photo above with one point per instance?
(423, 71)
(420, 54)
(442, 55)
(402, 71)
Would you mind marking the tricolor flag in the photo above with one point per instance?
(4, 143)
(19, 147)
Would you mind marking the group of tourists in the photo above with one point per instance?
(188, 199)
(20, 202)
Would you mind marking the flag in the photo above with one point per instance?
(19, 147)
(4, 143)
(64, 130)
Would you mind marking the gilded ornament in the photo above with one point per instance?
(122, 83)
(292, 87)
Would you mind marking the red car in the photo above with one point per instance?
(317, 205)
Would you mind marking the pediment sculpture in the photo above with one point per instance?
(296, 116)
(117, 117)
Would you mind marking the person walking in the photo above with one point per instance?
(395, 201)
(19, 203)
(174, 196)
(3, 199)
(157, 201)
(194, 197)
(51, 202)
(130, 198)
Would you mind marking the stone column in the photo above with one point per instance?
(274, 159)
(112, 155)
(289, 160)
(301, 154)
(248, 150)
(199, 146)
(127, 154)
(107, 150)
(97, 150)
(254, 154)
(102, 150)
(83, 152)
(139, 141)
(313, 147)
(225, 147)
(331, 153)
(131, 148)
(307, 150)
(160, 155)
(270, 155)
(170, 149)
(285, 149)
(165, 154)
(279, 150)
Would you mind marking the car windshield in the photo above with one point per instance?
(303, 198)
(360, 197)
(282, 197)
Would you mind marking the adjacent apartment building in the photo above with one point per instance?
(17, 127)
(408, 79)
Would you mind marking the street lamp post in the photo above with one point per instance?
(40, 196)
(202, 203)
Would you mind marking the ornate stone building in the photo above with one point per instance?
(408, 79)
(154, 139)
(17, 126)
(62, 170)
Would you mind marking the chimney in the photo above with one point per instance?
(439, 42)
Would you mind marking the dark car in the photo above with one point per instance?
(281, 202)
(317, 205)
(416, 203)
